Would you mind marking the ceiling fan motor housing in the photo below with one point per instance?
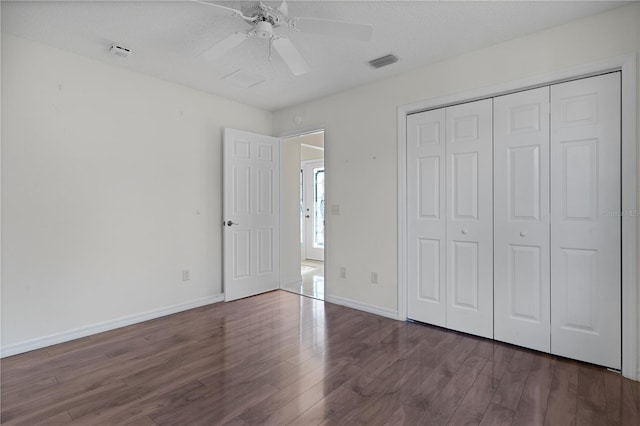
(264, 29)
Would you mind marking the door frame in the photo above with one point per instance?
(292, 134)
(626, 64)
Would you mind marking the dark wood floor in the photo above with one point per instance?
(280, 358)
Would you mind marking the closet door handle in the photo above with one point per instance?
(523, 233)
(464, 231)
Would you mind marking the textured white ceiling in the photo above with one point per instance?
(166, 38)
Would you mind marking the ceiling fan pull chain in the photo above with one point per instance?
(270, 46)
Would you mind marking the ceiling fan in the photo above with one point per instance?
(266, 19)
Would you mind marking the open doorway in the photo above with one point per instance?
(304, 154)
(312, 224)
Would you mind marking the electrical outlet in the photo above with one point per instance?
(374, 278)
(343, 272)
(186, 275)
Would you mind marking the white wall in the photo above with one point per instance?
(361, 138)
(308, 142)
(308, 154)
(111, 185)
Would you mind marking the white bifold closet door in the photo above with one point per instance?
(585, 221)
(426, 218)
(514, 223)
(521, 219)
(469, 185)
(450, 223)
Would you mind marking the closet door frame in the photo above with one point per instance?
(626, 64)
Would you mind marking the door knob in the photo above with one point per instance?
(523, 233)
(464, 231)
(230, 222)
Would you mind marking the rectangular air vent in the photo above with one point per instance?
(383, 61)
(243, 79)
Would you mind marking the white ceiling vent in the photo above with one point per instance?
(383, 61)
(243, 79)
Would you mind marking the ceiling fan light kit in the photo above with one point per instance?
(266, 19)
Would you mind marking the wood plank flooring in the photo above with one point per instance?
(280, 359)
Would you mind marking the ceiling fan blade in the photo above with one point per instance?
(284, 8)
(291, 56)
(361, 32)
(223, 46)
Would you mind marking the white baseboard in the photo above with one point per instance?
(372, 309)
(76, 333)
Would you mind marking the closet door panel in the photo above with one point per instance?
(585, 221)
(521, 219)
(469, 225)
(426, 219)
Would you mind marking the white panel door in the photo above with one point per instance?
(426, 221)
(251, 213)
(585, 221)
(521, 219)
(469, 229)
